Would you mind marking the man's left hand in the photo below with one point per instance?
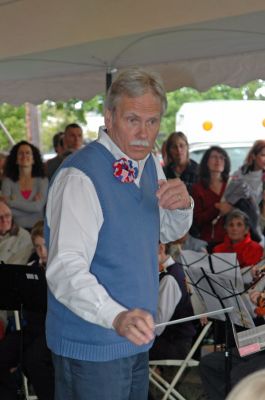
(173, 194)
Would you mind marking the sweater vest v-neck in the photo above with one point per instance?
(125, 261)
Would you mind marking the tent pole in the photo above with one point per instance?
(108, 80)
(7, 134)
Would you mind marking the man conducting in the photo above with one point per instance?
(108, 206)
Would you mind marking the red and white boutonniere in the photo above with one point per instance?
(124, 170)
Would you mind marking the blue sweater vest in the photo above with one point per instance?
(125, 262)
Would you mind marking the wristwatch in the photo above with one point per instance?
(191, 203)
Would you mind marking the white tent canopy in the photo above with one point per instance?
(60, 49)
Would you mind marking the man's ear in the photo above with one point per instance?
(108, 119)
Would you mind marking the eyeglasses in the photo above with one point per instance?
(217, 157)
(5, 216)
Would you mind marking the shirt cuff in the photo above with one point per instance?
(190, 208)
(109, 312)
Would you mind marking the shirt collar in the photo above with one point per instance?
(169, 261)
(106, 141)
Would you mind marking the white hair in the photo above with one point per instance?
(135, 82)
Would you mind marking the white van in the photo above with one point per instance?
(237, 152)
(217, 121)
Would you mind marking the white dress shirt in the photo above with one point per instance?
(75, 217)
(168, 298)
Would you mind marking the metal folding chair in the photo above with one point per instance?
(169, 388)
(24, 378)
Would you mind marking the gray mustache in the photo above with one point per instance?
(139, 142)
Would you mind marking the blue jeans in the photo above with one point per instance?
(122, 379)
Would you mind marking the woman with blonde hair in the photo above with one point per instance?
(15, 242)
(178, 163)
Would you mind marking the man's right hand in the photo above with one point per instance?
(136, 325)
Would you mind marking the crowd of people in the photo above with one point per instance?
(228, 218)
(107, 246)
(24, 189)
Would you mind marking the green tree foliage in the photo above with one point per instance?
(175, 100)
(55, 116)
(14, 120)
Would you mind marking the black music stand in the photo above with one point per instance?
(217, 263)
(220, 287)
(22, 286)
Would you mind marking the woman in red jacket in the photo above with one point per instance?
(207, 194)
(238, 240)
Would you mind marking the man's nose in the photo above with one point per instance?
(143, 130)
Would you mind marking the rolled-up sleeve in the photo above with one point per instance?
(174, 224)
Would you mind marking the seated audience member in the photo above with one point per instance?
(237, 240)
(178, 164)
(28, 347)
(253, 169)
(25, 185)
(209, 211)
(175, 341)
(37, 237)
(15, 242)
(73, 138)
(252, 174)
(52, 164)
